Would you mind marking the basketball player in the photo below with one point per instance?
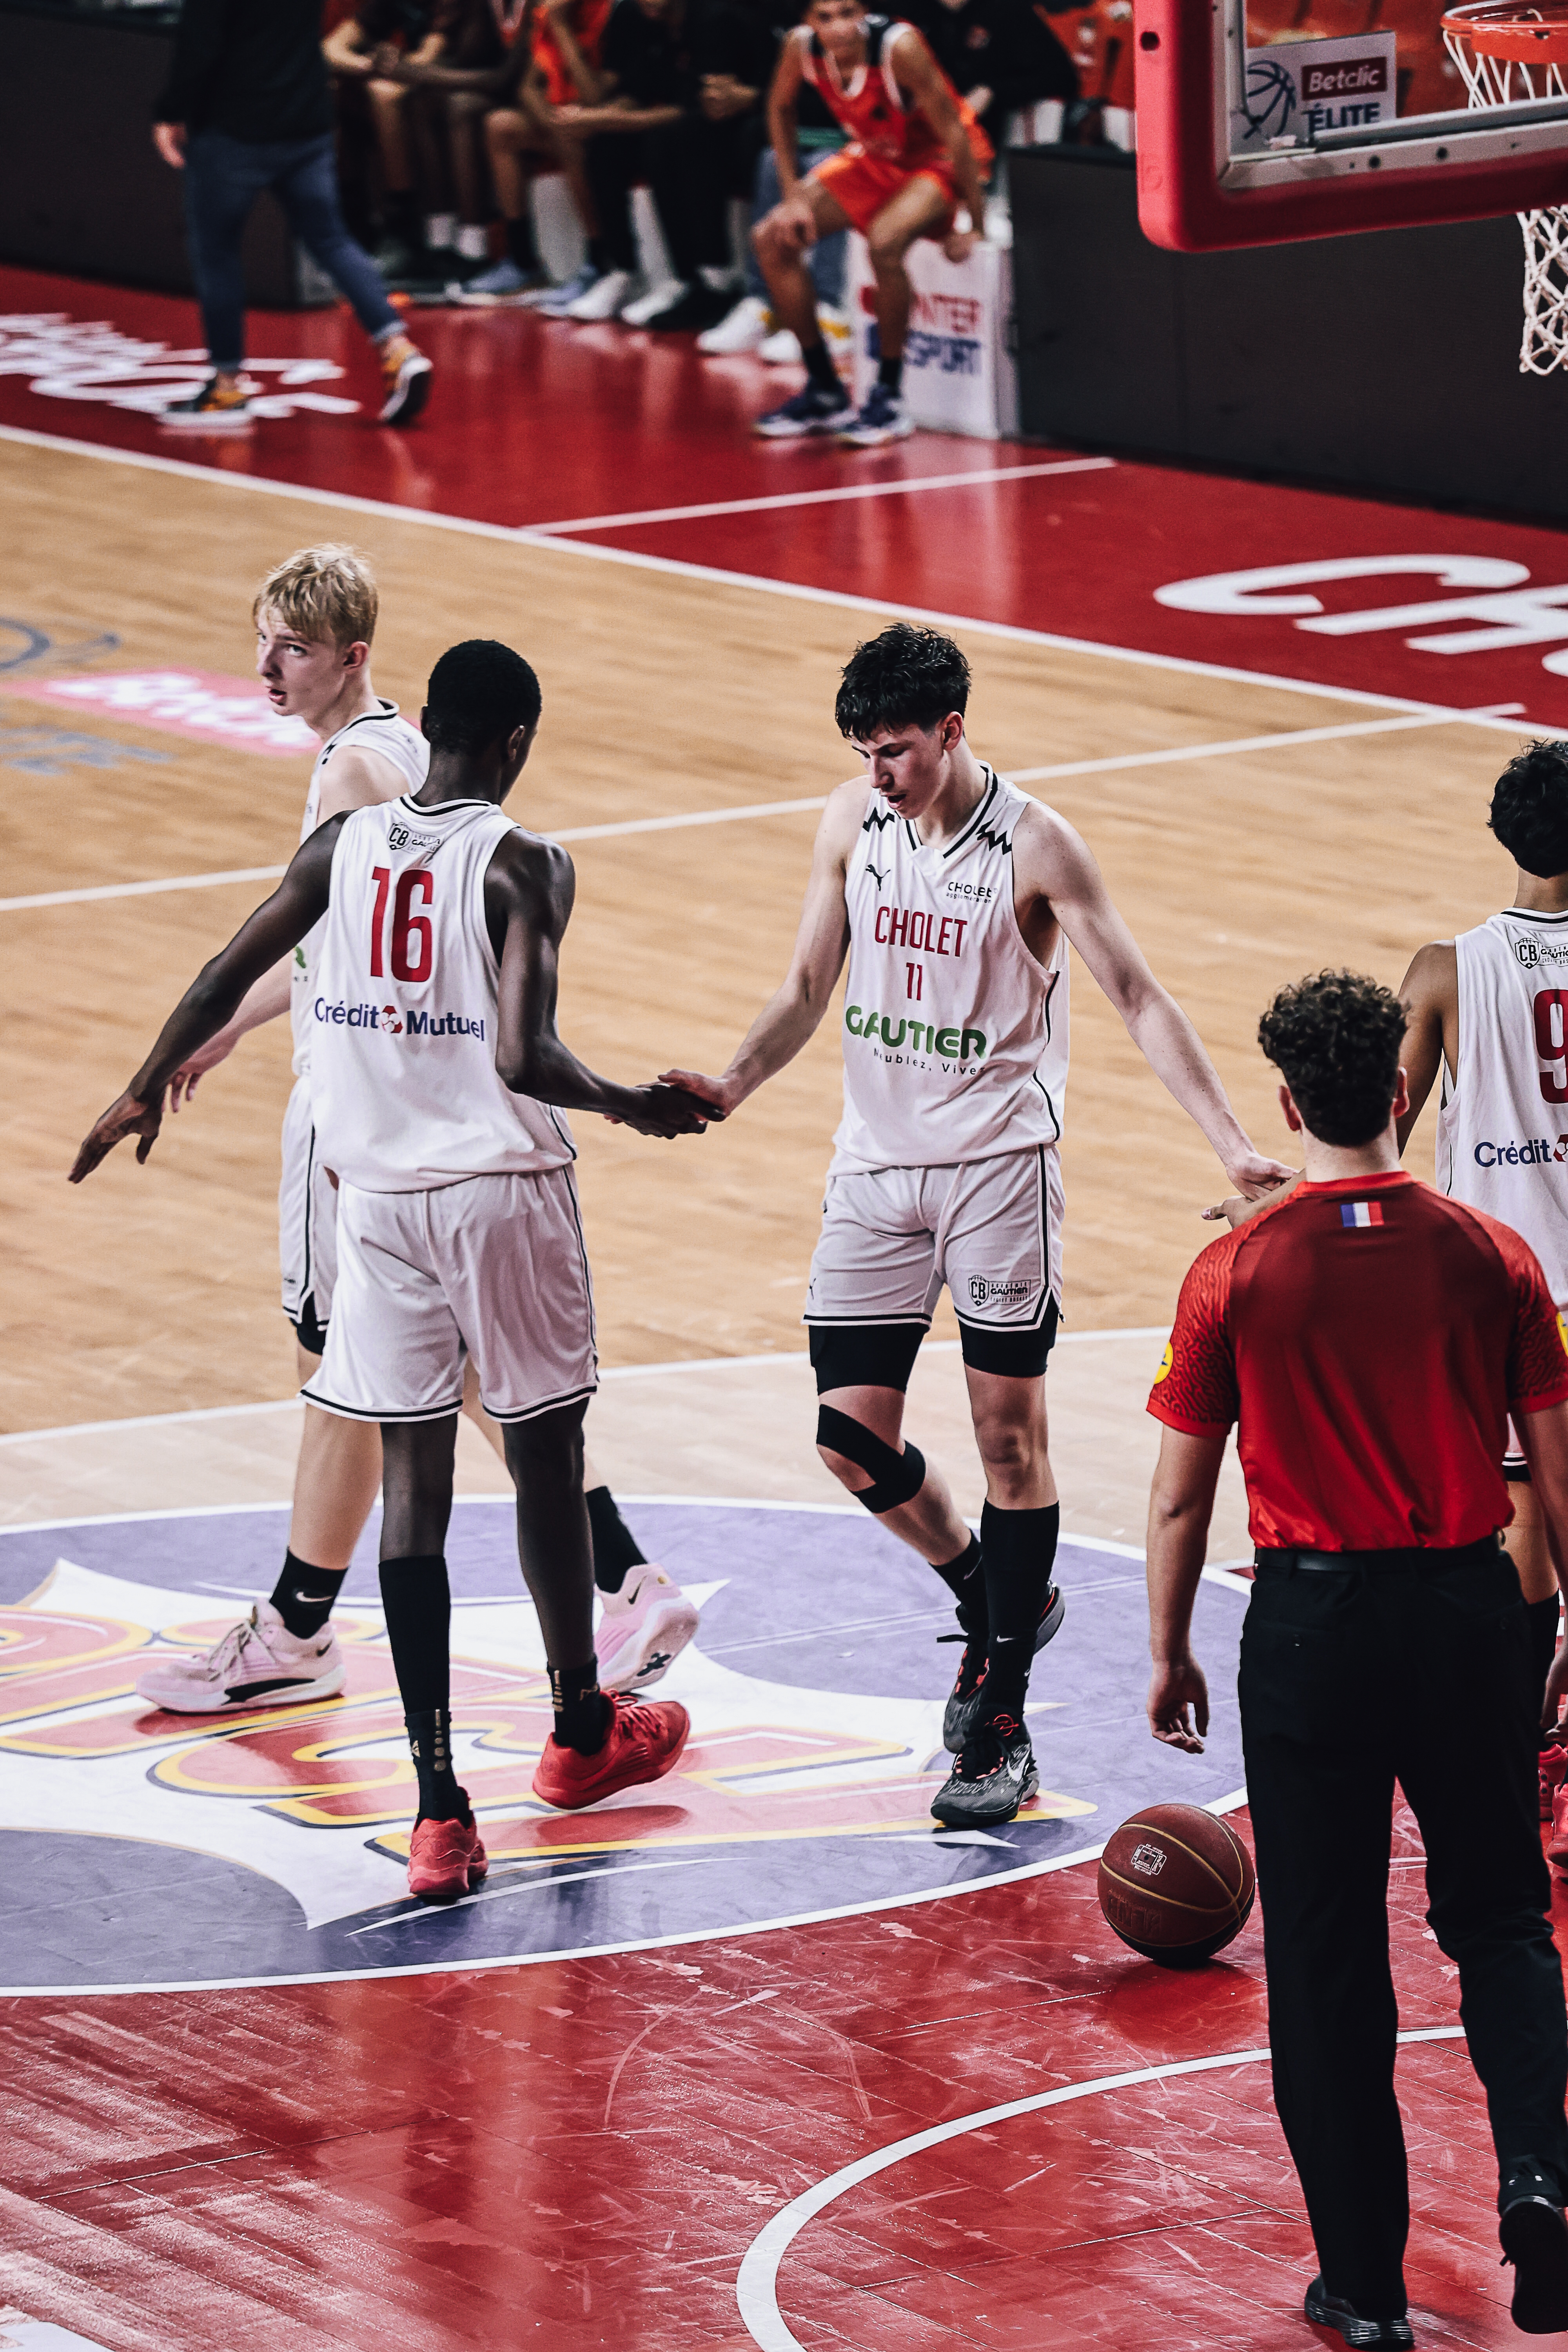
(915, 153)
(1487, 1012)
(315, 617)
(954, 894)
(438, 1078)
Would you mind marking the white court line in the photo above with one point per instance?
(980, 475)
(1280, 742)
(606, 1372)
(756, 2286)
(1005, 632)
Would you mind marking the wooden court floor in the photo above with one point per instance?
(154, 1290)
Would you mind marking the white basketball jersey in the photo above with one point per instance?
(382, 730)
(1502, 1132)
(955, 1038)
(402, 1009)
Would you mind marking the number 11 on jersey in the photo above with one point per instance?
(413, 939)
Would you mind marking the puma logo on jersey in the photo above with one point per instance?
(878, 876)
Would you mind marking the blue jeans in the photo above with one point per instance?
(826, 261)
(223, 178)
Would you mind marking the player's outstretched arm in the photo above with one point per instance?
(919, 74)
(213, 998)
(793, 1015)
(1429, 992)
(529, 889)
(1054, 873)
(1180, 1505)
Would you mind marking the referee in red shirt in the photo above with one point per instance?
(1371, 1337)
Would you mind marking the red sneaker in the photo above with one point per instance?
(1553, 1765)
(1557, 1846)
(446, 1859)
(644, 1741)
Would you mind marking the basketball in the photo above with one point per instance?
(1176, 1883)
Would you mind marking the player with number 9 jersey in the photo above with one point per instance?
(1488, 1014)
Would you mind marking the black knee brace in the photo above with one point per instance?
(896, 1477)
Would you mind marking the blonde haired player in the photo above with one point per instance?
(315, 616)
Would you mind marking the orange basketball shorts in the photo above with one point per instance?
(863, 186)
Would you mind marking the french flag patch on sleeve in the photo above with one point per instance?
(1361, 1213)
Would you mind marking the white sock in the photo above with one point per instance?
(722, 281)
(440, 228)
(473, 242)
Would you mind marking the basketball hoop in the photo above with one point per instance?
(1509, 53)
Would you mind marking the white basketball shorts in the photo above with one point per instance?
(493, 1268)
(307, 1223)
(990, 1229)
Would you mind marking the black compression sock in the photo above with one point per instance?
(965, 1578)
(615, 1546)
(1019, 1549)
(819, 367)
(890, 375)
(582, 1710)
(419, 1603)
(304, 1595)
(430, 1744)
(1541, 1616)
(520, 245)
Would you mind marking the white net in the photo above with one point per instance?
(1494, 80)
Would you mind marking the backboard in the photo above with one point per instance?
(1261, 123)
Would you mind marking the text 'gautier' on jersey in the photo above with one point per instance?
(402, 1009)
(955, 1036)
(382, 730)
(1502, 1132)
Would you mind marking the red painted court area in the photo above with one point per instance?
(539, 424)
(584, 2152)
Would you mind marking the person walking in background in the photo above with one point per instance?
(248, 106)
(1373, 1339)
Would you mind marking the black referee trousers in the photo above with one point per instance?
(1414, 1669)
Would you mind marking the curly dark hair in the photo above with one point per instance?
(1530, 809)
(905, 678)
(1335, 1038)
(478, 691)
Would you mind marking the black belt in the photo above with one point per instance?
(1407, 1556)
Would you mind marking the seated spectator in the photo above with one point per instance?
(683, 114)
(484, 46)
(1000, 55)
(368, 48)
(750, 325)
(559, 65)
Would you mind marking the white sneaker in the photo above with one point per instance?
(781, 349)
(745, 327)
(257, 1662)
(644, 307)
(605, 297)
(644, 1625)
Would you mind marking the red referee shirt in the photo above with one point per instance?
(1371, 1337)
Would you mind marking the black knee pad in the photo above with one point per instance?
(896, 1477)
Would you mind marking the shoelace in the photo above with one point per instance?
(639, 1718)
(984, 1749)
(228, 1652)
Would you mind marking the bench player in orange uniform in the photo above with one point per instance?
(916, 153)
